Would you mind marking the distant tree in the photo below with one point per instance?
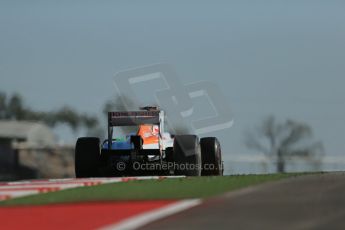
(119, 103)
(13, 108)
(3, 105)
(283, 141)
(89, 121)
(69, 116)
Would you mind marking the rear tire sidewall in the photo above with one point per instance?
(87, 157)
(187, 155)
(211, 155)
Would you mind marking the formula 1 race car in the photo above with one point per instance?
(149, 151)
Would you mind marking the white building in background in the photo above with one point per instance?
(22, 134)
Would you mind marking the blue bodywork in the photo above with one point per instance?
(119, 144)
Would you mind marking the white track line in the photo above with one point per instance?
(150, 216)
(61, 186)
(71, 181)
(38, 186)
(15, 194)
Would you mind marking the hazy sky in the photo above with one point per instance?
(285, 58)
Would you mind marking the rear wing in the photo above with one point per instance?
(134, 118)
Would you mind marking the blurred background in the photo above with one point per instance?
(279, 65)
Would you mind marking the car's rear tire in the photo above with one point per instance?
(211, 157)
(87, 157)
(187, 155)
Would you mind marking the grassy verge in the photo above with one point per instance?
(192, 187)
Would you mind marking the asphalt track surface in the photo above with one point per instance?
(305, 202)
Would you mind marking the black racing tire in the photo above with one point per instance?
(87, 157)
(187, 155)
(211, 157)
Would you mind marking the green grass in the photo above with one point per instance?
(191, 187)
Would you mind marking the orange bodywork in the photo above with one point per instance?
(149, 133)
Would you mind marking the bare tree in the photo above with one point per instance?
(284, 141)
